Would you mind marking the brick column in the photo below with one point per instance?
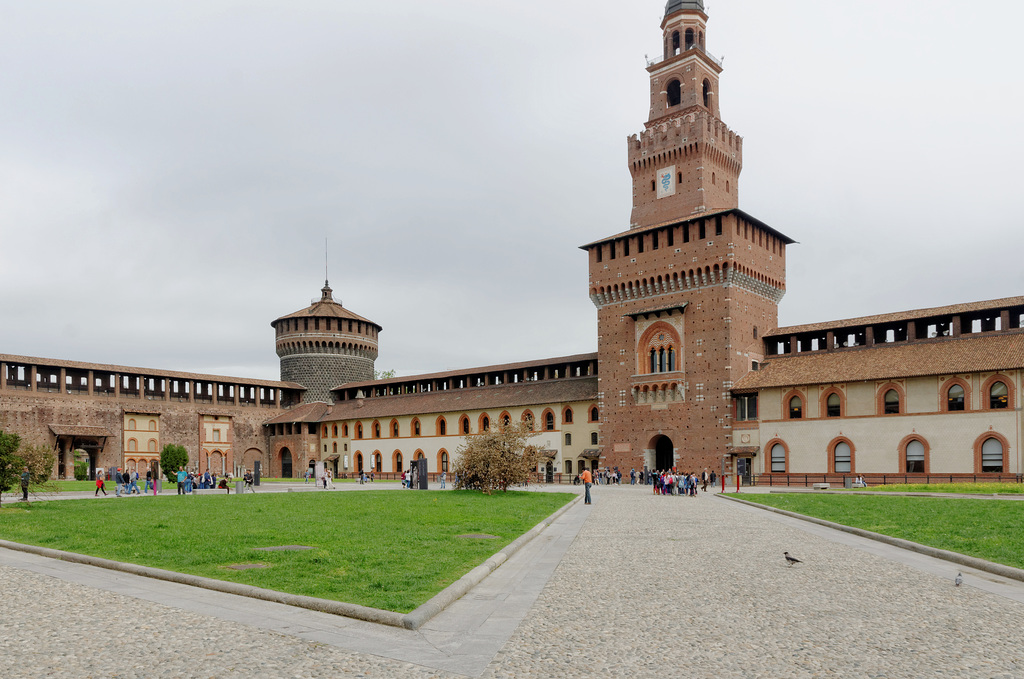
(954, 327)
(90, 384)
(3, 376)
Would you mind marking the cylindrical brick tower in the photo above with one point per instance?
(324, 346)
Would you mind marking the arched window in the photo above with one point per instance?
(955, 398)
(394, 429)
(131, 424)
(442, 427)
(689, 38)
(568, 466)
(359, 430)
(594, 414)
(398, 461)
(416, 427)
(152, 425)
(915, 457)
(376, 430)
(549, 421)
(833, 406)
(892, 402)
(464, 424)
(528, 420)
(593, 438)
(485, 423)
(991, 456)
(778, 453)
(378, 462)
(567, 416)
(359, 462)
(152, 445)
(998, 396)
(843, 461)
(444, 461)
(133, 445)
(675, 43)
(654, 361)
(568, 439)
(335, 431)
(707, 94)
(344, 430)
(675, 93)
(325, 431)
(796, 408)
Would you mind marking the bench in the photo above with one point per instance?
(208, 491)
(821, 486)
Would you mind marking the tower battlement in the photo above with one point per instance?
(663, 137)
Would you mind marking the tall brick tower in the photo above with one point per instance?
(324, 346)
(684, 295)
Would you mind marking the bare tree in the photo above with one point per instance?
(496, 459)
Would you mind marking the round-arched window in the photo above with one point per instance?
(844, 458)
(915, 457)
(992, 456)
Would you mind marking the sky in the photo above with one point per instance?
(171, 172)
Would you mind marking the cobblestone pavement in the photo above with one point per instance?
(652, 586)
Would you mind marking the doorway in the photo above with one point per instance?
(664, 453)
(744, 468)
(286, 463)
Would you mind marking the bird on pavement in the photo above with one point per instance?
(791, 559)
(959, 579)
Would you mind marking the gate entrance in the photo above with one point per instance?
(664, 453)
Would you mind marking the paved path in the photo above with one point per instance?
(632, 586)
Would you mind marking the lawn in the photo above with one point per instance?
(67, 485)
(385, 549)
(987, 529)
(959, 488)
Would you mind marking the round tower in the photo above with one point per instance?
(324, 346)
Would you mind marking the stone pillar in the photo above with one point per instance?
(1004, 324)
(911, 331)
(3, 376)
(954, 326)
(33, 373)
(869, 336)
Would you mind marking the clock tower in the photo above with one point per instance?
(685, 292)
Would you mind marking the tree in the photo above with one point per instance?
(40, 461)
(496, 459)
(383, 374)
(10, 463)
(173, 457)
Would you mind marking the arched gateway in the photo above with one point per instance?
(664, 452)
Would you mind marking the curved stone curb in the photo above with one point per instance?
(954, 557)
(409, 621)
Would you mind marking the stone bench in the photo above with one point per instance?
(208, 491)
(821, 486)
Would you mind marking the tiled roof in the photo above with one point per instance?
(328, 309)
(900, 316)
(79, 430)
(307, 412)
(695, 218)
(982, 353)
(494, 398)
(511, 367)
(150, 372)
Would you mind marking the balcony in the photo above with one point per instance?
(657, 60)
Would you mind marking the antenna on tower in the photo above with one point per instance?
(326, 261)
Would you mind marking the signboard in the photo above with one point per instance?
(666, 182)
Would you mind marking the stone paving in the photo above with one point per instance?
(651, 586)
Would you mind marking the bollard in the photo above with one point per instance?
(737, 483)
(723, 483)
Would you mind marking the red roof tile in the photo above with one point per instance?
(982, 353)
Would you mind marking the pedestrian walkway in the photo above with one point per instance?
(635, 585)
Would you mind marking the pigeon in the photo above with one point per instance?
(791, 559)
(959, 579)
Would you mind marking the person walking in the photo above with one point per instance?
(247, 477)
(443, 475)
(181, 480)
(26, 478)
(587, 480)
(99, 485)
(118, 482)
(133, 485)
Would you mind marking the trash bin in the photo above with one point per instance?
(239, 485)
(847, 482)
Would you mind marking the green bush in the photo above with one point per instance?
(81, 470)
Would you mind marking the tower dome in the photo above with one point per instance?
(673, 6)
(324, 346)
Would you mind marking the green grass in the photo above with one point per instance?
(384, 549)
(987, 529)
(964, 488)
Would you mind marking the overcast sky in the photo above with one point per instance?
(169, 171)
